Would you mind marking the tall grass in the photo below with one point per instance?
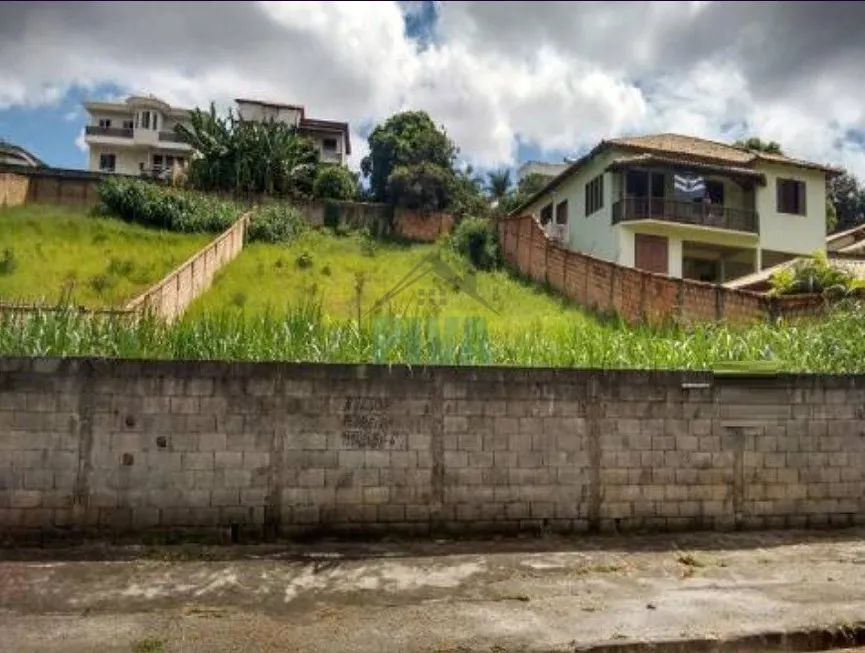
(305, 333)
(53, 253)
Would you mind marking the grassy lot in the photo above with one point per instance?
(351, 274)
(48, 251)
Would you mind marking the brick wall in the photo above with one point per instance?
(422, 226)
(634, 294)
(117, 446)
(170, 297)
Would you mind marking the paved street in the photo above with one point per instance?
(518, 595)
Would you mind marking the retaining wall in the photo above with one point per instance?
(117, 447)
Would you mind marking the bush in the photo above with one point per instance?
(275, 223)
(164, 207)
(476, 240)
(814, 274)
(335, 183)
(8, 261)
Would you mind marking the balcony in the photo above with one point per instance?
(701, 215)
(113, 132)
(170, 137)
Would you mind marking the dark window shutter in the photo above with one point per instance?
(802, 205)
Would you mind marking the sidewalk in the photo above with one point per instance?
(518, 595)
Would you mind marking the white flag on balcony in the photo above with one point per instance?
(689, 186)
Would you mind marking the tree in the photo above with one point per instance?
(248, 157)
(527, 187)
(758, 145)
(847, 196)
(336, 183)
(411, 162)
(499, 184)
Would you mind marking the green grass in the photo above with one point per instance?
(351, 273)
(48, 251)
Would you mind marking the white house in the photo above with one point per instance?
(330, 138)
(135, 137)
(686, 207)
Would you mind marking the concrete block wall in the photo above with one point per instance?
(126, 447)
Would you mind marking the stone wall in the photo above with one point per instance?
(170, 297)
(633, 294)
(126, 447)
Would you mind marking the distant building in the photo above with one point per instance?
(136, 136)
(540, 168)
(331, 138)
(14, 155)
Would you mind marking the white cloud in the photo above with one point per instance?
(559, 76)
(79, 141)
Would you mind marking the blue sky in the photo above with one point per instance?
(510, 81)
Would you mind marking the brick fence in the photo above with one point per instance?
(634, 294)
(170, 297)
(120, 446)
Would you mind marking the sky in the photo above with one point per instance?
(509, 81)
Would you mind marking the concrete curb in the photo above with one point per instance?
(806, 640)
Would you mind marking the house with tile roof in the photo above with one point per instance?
(686, 207)
(14, 155)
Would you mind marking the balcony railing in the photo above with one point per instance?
(116, 132)
(704, 215)
(170, 137)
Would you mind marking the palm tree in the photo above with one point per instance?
(499, 184)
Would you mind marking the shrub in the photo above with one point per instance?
(476, 239)
(814, 274)
(275, 223)
(335, 183)
(164, 207)
(8, 262)
(303, 261)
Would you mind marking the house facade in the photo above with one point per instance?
(135, 137)
(330, 138)
(686, 207)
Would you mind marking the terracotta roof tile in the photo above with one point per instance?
(678, 144)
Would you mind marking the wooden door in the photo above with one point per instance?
(651, 253)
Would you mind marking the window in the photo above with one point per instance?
(127, 124)
(144, 120)
(105, 123)
(562, 212)
(594, 195)
(547, 214)
(107, 162)
(157, 160)
(715, 191)
(329, 144)
(791, 196)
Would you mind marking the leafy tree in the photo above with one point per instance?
(336, 183)
(758, 145)
(847, 195)
(527, 187)
(411, 162)
(248, 157)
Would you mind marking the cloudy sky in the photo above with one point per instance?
(510, 81)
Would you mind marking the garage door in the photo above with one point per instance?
(650, 253)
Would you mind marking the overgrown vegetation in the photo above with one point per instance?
(335, 183)
(814, 274)
(276, 222)
(55, 253)
(477, 240)
(304, 333)
(164, 207)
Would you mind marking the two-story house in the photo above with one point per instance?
(329, 137)
(686, 207)
(135, 137)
